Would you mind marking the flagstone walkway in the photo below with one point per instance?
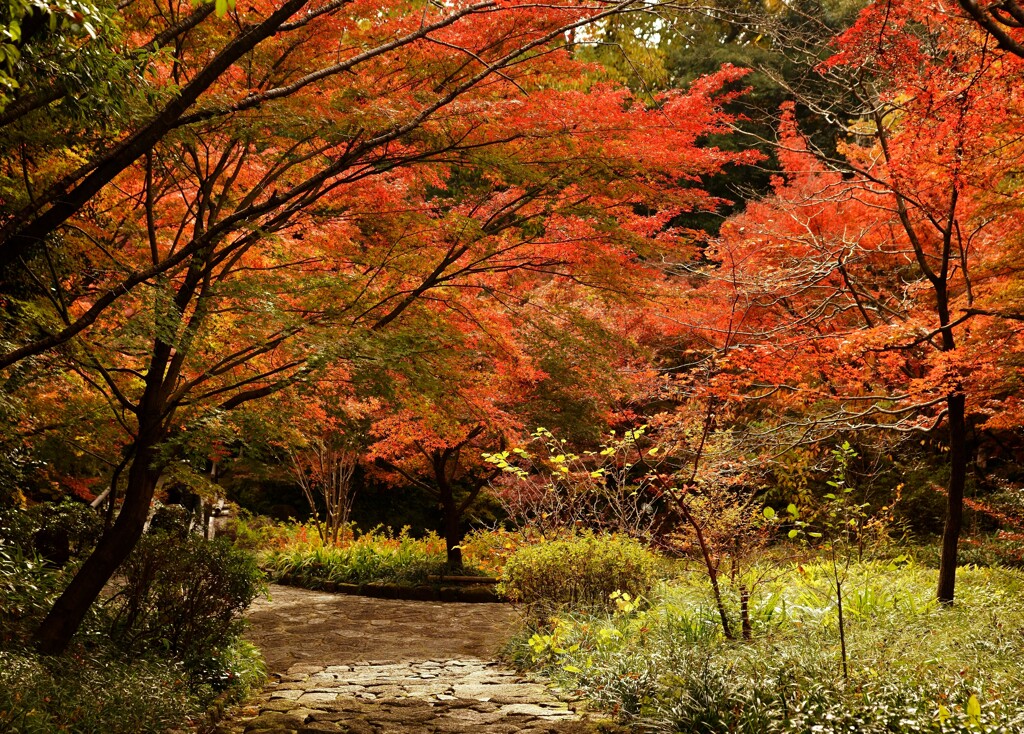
(374, 666)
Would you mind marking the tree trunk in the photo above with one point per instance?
(60, 625)
(957, 416)
(747, 630)
(712, 569)
(452, 536)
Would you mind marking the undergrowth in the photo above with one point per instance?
(375, 556)
(915, 666)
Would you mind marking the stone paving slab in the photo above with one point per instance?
(373, 666)
(460, 695)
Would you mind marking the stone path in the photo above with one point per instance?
(373, 666)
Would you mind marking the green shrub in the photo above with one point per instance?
(92, 694)
(173, 520)
(57, 531)
(151, 656)
(26, 588)
(184, 596)
(581, 572)
(256, 532)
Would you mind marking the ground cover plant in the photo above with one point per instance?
(663, 663)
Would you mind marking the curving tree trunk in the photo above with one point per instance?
(65, 617)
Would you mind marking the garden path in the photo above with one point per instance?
(354, 664)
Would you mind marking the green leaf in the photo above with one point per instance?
(571, 669)
(793, 533)
(974, 710)
(220, 8)
(815, 535)
(791, 509)
(769, 513)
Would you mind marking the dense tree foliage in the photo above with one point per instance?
(413, 234)
(437, 196)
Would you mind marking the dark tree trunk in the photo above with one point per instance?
(452, 534)
(60, 625)
(62, 622)
(958, 456)
(746, 628)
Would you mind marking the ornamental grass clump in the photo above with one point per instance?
(375, 556)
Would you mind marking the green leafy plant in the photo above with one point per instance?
(923, 668)
(837, 530)
(91, 694)
(376, 556)
(580, 572)
(184, 596)
(58, 531)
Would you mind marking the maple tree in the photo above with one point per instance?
(299, 220)
(866, 291)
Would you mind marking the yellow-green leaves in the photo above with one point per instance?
(973, 711)
(221, 7)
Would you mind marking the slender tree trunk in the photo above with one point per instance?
(842, 628)
(957, 416)
(747, 630)
(712, 569)
(452, 535)
(60, 625)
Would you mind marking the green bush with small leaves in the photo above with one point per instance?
(184, 596)
(579, 572)
(106, 683)
(57, 531)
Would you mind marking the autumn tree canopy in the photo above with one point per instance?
(871, 288)
(453, 222)
(309, 190)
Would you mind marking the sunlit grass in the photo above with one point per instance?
(914, 665)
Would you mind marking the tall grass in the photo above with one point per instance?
(378, 555)
(914, 666)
